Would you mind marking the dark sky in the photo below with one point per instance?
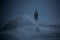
(48, 10)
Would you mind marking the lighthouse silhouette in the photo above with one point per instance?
(36, 15)
(36, 19)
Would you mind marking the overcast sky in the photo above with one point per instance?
(48, 10)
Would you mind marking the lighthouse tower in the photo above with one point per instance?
(36, 19)
(36, 15)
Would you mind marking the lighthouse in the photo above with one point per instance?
(36, 15)
(36, 19)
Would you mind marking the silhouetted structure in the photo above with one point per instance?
(36, 15)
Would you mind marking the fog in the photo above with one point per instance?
(18, 21)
